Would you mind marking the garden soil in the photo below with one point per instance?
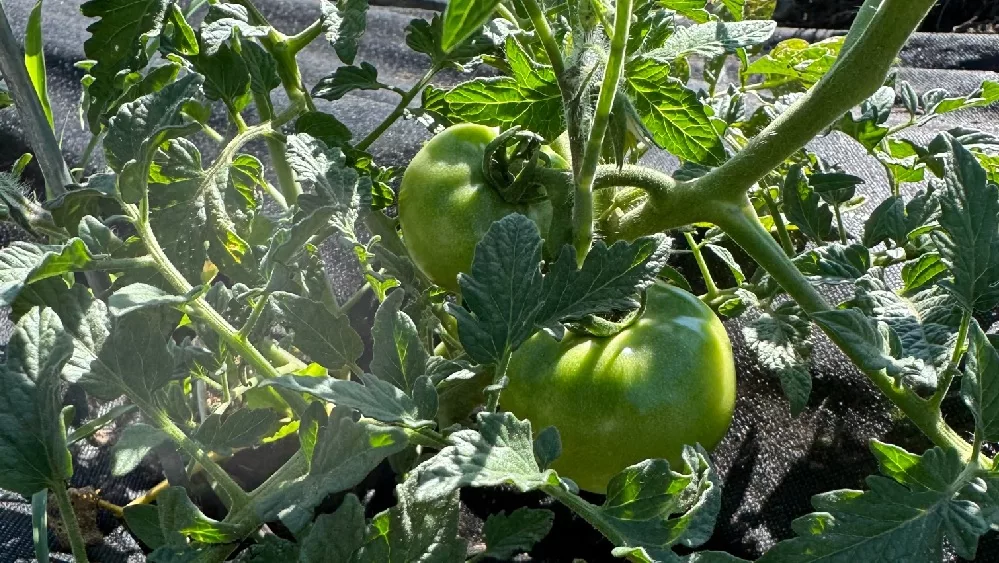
(770, 463)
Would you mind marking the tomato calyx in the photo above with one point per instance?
(515, 165)
(610, 324)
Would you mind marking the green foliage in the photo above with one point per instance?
(208, 308)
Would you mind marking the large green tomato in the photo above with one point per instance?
(665, 381)
(446, 206)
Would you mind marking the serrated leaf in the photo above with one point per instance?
(804, 207)
(987, 95)
(530, 97)
(415, 529)
(835, 263)
(346, 451)
(969, 242)
(179, 518)
(462, 18)
(835, 188)
(139, 296)
(346, 79)
(117, 43)
(797, 62)
(243, 428)
(333, 538)
(227, 76)
(134, 443)
(610, 278)
(324, 170)
(375, 399)
(547, 447)
(328, 339)
(517, 532)
(780, 343)
(903, 517)
(324, 127)
(262, 67)
(220, 26)
(500, 452)
(141, 126)
(923, 271)
(398, 354)
(887, 223)
(24, 263)
(712, 39)
(33, 454)
(344, 22)
(672, 114)
(980, 384)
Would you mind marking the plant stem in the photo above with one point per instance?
(95, 140)
(785, 239)
(493, 396)
(839, 224)
(400, 109)
(955, 359)
(302, 39)
(76, 543)
(858, 73)
(290, 190)
(203, 311)
(582, 209)
(743, 226)
(586, 511)
(695, 249)
(545, 35)
(34, 122)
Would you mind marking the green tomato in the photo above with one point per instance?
(665, 381)
(446, 206)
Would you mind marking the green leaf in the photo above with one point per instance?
(887, 223)
(969, 242)
(903, 517)
(33, 454)
(780, 342)
(24, 263)
(117, 42)
(835, 263)
(333, 538)
(507, 299)
(262, 68)
(139, 296)
(980, 384)
(517, 532)
(547, 447)
(324, 170)
(344, 22)
(375, 399)
(141, 126)
(503, 291)
(134, 444)
(325, 337)
(324, 127)
(804, 207)
(500, 452)
(227, 76)
(462, 18)
(182, 39)
(923, 271)
(729, 260)
(693, 9)
(192, 553)
(416, 529)
(794, 63)
(867, 125)
(398, 355)
(346, 79)
(987, 95)
(346, 451)
(243, 428)
(530, 97)
(425, 37)
(34, 60)
(712, 39)
(143, 521)
(673, 115)
(179, 518)
(835, 188)
(222, 22)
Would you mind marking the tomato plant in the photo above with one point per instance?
(534, 325)
(666, 380)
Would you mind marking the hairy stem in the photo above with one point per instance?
(400, 109)
(695, 249)
(955, 359)
(743, 226)
(290, 190)
(586, 511)
(785, 238)
(582, 209)
(545, 35)
(76, 543)
(859, 72)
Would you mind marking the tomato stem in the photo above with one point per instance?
(582, 209)
(76, 543)
(695, 249)
(955, 359)
(399, 110)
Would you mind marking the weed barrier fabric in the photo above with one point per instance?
(771, 464)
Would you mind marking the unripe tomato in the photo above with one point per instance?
(446, 206)
(665, 381)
